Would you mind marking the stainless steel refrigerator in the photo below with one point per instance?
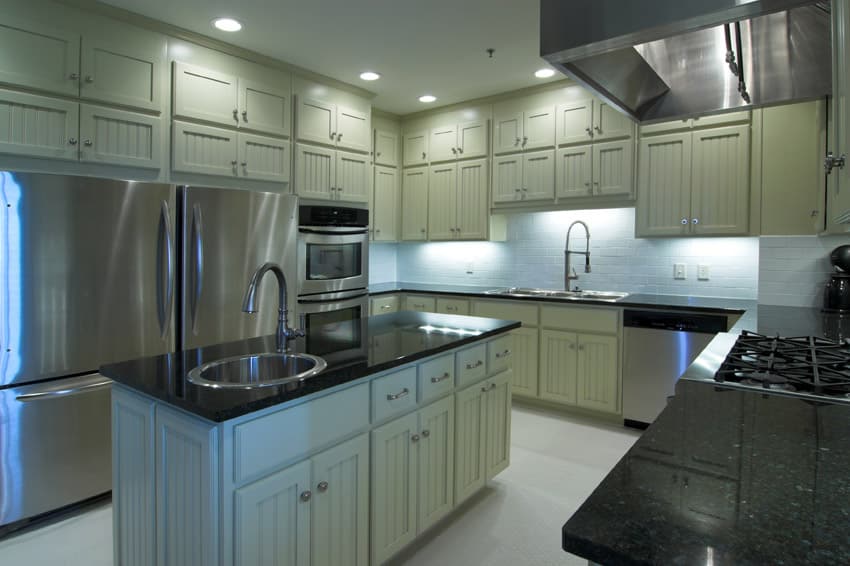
(94, 271)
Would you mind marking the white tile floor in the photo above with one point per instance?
(556, 462)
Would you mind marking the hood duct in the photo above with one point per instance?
(666, 59)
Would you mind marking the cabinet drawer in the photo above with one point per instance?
(471, 364)
(436, 378)
(267, 443)
(499, 352)
(453, 306)
(505, 310)
(383, 305)
(393, 394)
(582, 319)
(419, 303)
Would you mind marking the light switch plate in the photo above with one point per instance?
(703, 272)
(680, 271)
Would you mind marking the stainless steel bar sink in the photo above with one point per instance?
(604, 296)
(259, 370)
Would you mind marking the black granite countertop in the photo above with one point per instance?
(387, 341)
(725, 476)
(637, 300)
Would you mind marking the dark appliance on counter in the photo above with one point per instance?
(803, 366)
(836, 295)
(94, 271)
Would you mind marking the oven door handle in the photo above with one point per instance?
(334, 232)
(336, 300)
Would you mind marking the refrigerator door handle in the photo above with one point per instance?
(83, 384)
(165, 255)
(197, 239)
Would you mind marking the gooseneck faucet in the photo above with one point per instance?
(249, 304)
(567, 252)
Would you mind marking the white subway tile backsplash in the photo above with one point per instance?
(794, 269)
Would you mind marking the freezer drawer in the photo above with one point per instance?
(54, 444)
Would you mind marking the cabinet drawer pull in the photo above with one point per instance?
(236, 114)
(74, 76)
(504, 354)
(423, 155)
(477, 364)
(450, 308)
(684, 221)
(695, 221)
(426, 433)
(87, 143)
(516, 142)
(333, 135)
(524, 140)
(306, 495)
(385, 307)
(438, 379)
(403, 393)
(72, 141)
(323, 486)
(89, 79)
(484, 389)
(245, 115)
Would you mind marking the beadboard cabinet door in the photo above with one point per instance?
(574, 172)
(414, 204)
(415, 151)
(272, 520)
(558, 359)
(385, 205)
(386, 148)
(612, 168)
(497, 427)
(204, 149)
(507, 178)
(352, 177)
(263, 108)
(442, 202)
(315, 172)
(205, 94)
(353, 130)
(123, 69)
(472, 206)
(524, 354)
(538, 175)
(597, 378)
(340, 487)
(470, 449)
(664, 185)
(394, 481)
(40, 57)
(263, 158)
(38, 126)
(436, 462)
(119, 137)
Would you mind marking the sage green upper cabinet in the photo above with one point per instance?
(459, 141)
(524, 130)
(386, 148)
(695, 183)
(582, 121)
(414, 200)
(324, 122)
(263, 158)
(524, 177)
(442, 202)
(37, 56)
(507, 178)
(352, 177)
(457, 201)
(38, 126)
(119, 137)
(415, 148)
(209, 95)
(385, 204)
(598, 169)
(121, 68)
(205, 94)
(574, 172)
(326, 174)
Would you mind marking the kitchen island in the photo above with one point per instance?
(411, 417)
(728, 475)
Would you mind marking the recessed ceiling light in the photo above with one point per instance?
(544, 73)
(226, 24)
(370, 76)
(427, 98)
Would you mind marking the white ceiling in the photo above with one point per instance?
(419, 46)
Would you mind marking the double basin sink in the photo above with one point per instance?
(604, 296)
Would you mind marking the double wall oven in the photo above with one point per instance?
(333, 273)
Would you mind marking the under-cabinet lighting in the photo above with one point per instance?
(427, 98)
(226, 24)
(544, 73)
(370, 76)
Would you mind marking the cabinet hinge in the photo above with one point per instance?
(830, 161)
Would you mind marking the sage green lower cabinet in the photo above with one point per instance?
(412, 473)
(558, 363)
(524, 353)
(483, 437)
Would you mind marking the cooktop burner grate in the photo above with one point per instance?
(804, 364)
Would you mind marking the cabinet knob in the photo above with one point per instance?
(414, 438)
(426, 433)
(524, 140)
(581, 347)
(87, 143)
(422, 230)
(484, 388)
(333, 135)
(244, 164)
(454, 150)
(72, 141)
(245, 115)
(323, 486)
(460, 150)
(572, 346)
(684, 221)
(74, 76)
(589, 132)
(694, 220)
(379, 154)
(423, 155)
(598, 129)
(306, 495)
(377, 230)
(234, 162)
(338, 137)
(89, 79)
(236, 114)
(517, 141)
(492, 386)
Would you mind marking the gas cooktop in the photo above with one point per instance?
(802, 366)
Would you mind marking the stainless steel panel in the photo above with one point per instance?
(227, 235)
(54, 445)
(331, 237)
(84, 273)
(653, 361)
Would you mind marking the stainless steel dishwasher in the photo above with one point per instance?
(659, 346)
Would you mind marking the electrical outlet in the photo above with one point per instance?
(680, 271)
(703, 272)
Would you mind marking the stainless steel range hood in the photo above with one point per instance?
(664, 59)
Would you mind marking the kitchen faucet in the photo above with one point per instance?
(567, 252)
(284, 334)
